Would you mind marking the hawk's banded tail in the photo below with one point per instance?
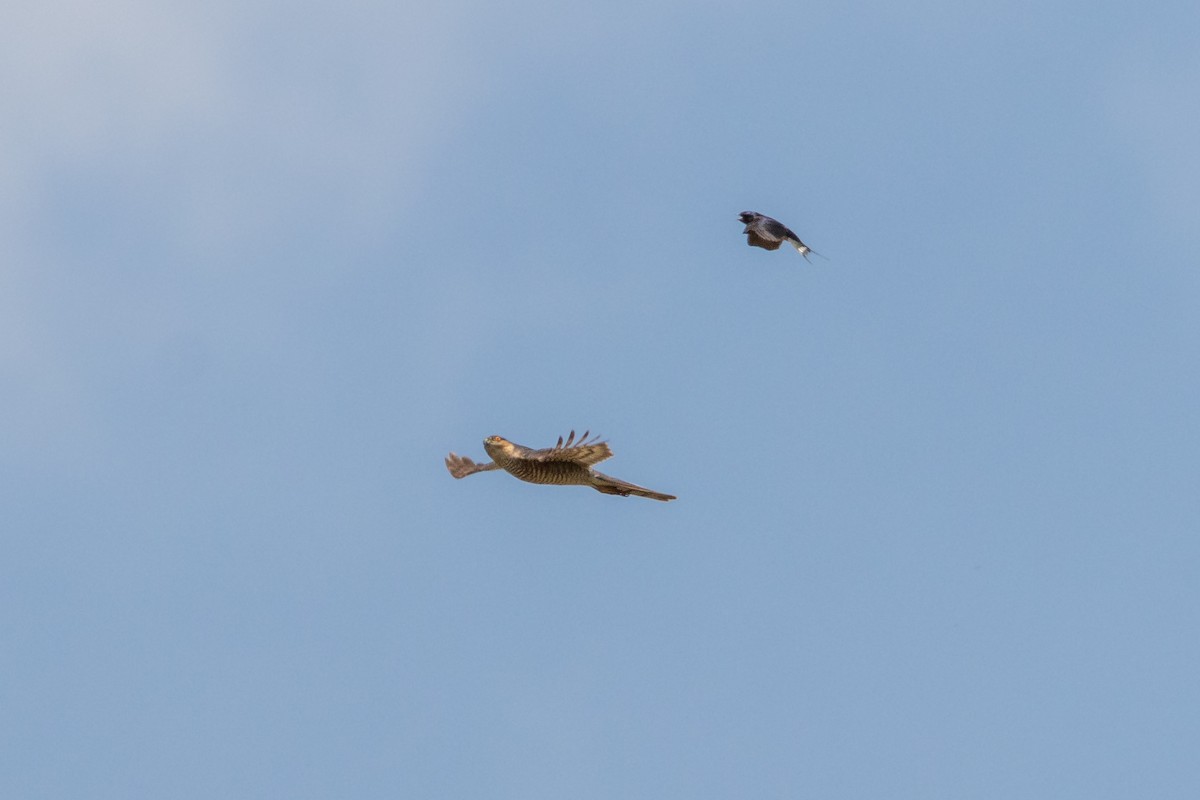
(610, 485)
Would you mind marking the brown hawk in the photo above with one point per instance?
(762, 231)
(568, 463)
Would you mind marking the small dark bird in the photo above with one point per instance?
(568, 463)
(762, 231)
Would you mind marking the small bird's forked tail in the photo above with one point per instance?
(610, 485)
(804, 250)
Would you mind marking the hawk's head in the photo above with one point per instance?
(748, 216)
(496, 444)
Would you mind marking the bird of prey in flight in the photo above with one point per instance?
(762, 231)
(568, 463)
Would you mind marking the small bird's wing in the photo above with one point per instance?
(775, 229)
(755, 239)
(461, 466)
(581, 451)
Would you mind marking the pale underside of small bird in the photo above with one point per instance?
(568, 463)
(769, 234)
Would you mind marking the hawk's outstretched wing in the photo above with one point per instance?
(461, 466)
(586, 453)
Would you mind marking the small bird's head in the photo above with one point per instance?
(748, 216)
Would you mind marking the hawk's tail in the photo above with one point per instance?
(610, 485)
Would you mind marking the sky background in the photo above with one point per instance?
(265, 264)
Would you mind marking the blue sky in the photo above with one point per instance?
(266, 264)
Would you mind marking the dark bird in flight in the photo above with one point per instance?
(762, 231)
(568, 463)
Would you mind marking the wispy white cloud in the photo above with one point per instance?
(159, 160)
(1153, 101)
(232, 107)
